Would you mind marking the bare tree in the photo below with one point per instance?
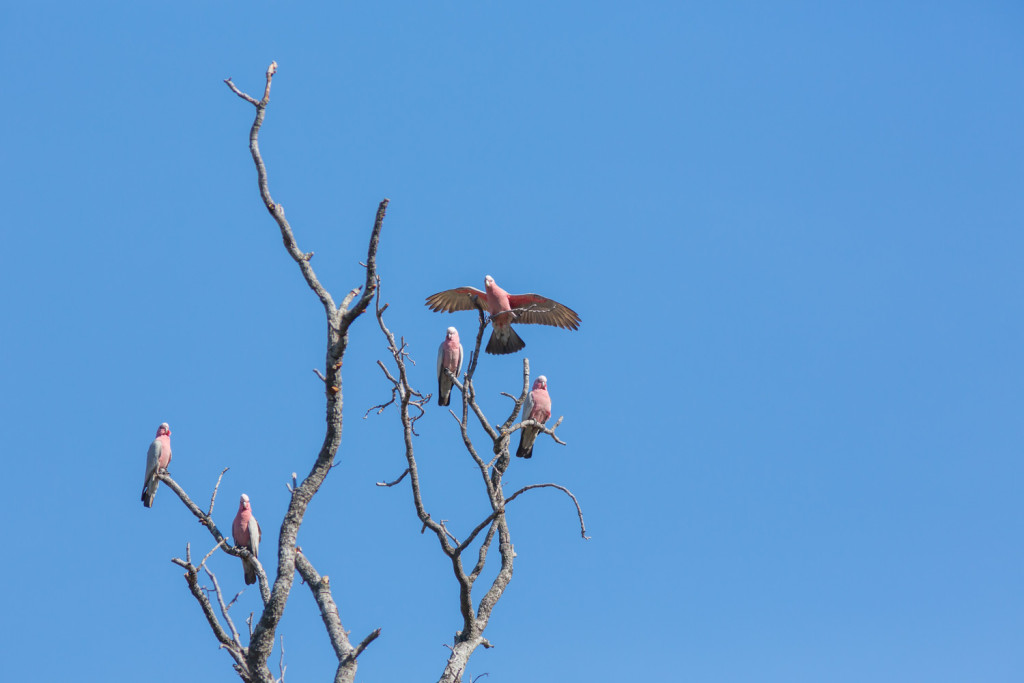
(251, 661)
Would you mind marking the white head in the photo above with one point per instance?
(488, 281)
(453, 333)
(541, 382)
(164, 428)
(243, 503)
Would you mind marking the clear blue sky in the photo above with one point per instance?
(793, 410)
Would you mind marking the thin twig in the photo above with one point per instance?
(212, 551)
(366, 641)
(579, 511)
(228, 642)
(280, 664)
(214, 496)
(223, 608)
(392, 483)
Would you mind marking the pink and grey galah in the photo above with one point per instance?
(505, 309)
(157, 459)
(449, 355)
(536, 407)
(245, 530)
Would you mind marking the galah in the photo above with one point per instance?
(449, 355)
(537, 407)
(245, 530)
(505, 309)
(157, 459)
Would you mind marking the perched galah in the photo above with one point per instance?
(505, 309)
(157, 460)
(449, 355)
(537, 407)
(246, 532)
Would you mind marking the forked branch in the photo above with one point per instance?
(320, 586)
(229, 642)
(277, 210)
(222, 542)
(475, 617)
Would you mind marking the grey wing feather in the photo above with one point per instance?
(528, 406)
(150, 483)
(458, 299)
(248, 568)
(153, 459)
(254, 537)
(533, 309)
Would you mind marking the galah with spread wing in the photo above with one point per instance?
(245, 530)
(536, 407)
(505, 309)
(449, 355)
(157, 459)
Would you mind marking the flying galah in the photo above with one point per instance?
(505, 309)
(537, 407)
(157, 459)
(245, 530)
(449, 355)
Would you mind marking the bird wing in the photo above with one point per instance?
(458, 299)
(152, 459)
(254, 537)
(528, 406)
(534, 309)
(459, 362)
(440, 357)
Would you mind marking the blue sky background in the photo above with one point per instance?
(793, 233)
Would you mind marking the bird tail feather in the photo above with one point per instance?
(250, 573)
(149, 493)
(526, 440)
(505, 342)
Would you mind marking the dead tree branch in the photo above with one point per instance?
(223, 607)
(281, 665)
(392, 483)
(338, 322)
(228, 642)
(277, 210)
(343, 650)
(213, 498)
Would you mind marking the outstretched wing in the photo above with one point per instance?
(534, 309)
(458, 299)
